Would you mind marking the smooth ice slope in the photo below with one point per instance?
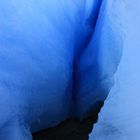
(57, 59)
(120, 116)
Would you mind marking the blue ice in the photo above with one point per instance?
(57, 59)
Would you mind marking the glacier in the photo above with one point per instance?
(119, 118)
(57, 60)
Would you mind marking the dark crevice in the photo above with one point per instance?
(90, 25)
(71, 129)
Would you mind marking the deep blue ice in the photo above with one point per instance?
(57, 59)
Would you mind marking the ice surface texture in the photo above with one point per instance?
(57, 59)
(120, 117)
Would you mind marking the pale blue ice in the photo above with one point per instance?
(120, 116)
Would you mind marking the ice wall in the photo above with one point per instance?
(57, 60)
(99, 60)
(37, 44)
(119, 118)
